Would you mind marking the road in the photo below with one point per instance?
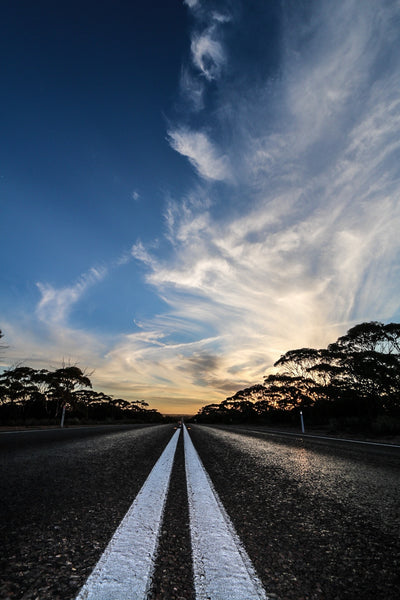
(63, 493)
(318, 519)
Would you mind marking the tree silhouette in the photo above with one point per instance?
(29, 393)
(372, 336)
(358, 376)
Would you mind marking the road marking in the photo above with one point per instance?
(124, 570)
(221, 566)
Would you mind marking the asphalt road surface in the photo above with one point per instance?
(317, 520)
(63, 493)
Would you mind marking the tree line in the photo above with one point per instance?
(28, 394)
(353, 383)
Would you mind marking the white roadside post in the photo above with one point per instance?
(302, 421)
(63, 416)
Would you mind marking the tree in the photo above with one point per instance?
(212, 413)
(372, 336)
(370, 366)
(296, 363)
(17, 384)
(253, 393)
(21, 393)
(356, 376)
(63, 383)
(27, 392)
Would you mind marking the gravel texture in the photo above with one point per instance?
(61, 502)
(318, 523)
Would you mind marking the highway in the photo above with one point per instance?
(310, 518)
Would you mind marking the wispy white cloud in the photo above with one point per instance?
(135, 195)
(218, 17)
(55, 304)
(191, 3)
(139, 252)
(193, 89)
(208, 54)
(201, 152)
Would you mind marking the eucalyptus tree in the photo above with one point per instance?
(370, 362)
(296, 363)
(64, 383)
(18, 384)
(369, 337)
(288, 393)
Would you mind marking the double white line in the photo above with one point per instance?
(221, 566)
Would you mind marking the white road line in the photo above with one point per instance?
(221, 566)
(126, 566)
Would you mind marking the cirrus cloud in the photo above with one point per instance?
(201, 152)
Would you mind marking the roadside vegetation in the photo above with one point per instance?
(32, 397)
(352, 385)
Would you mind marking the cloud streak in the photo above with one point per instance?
(208, 54)
(210, 163)
(55, 304)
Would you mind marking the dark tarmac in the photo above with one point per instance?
(319, 520)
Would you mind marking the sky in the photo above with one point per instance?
(189, 189)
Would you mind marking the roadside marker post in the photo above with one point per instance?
(302, 421)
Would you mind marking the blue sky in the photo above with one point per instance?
(190, 189)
